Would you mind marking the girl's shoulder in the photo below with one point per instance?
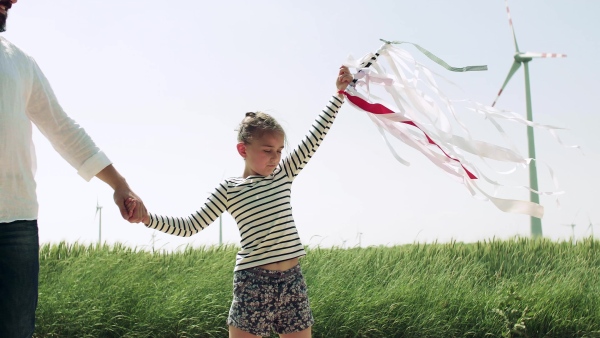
(233, 182)
(251, 180)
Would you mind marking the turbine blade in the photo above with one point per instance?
(512, 28)
(511, 72)
(542, 55)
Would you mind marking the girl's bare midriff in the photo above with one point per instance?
(282, 265)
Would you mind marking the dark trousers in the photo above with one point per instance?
(19, 271)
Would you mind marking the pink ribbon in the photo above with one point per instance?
(376, 108)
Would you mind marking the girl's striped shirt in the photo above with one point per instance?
(260, 205)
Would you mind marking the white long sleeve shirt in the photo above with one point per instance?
(25, 97)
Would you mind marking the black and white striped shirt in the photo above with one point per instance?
(260, 205)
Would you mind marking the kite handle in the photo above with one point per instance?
(367, 63)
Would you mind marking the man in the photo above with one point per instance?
(25, 97)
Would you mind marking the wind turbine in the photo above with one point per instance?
(524, 58)
(572, 225)
(99, 213)
(220, 227)
(221, 219)
(591, 226)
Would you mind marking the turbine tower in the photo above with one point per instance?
(521, 58)
(591, 226)
(99, 213)
(572, 225)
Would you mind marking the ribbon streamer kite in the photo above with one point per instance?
(423, 118)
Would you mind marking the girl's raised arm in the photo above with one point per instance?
(297, 159)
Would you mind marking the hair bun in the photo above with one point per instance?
(255, 124)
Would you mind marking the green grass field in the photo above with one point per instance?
(515, 288)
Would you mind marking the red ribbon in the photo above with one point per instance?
(376, 108)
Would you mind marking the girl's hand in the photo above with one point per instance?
(344, 78)
(130, 205)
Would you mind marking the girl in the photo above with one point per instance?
(269, 291)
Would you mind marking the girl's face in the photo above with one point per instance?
(263, 154)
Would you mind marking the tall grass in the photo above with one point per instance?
(486, 289)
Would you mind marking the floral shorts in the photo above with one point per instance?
(265, 300)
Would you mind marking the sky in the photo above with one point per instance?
(161, 87)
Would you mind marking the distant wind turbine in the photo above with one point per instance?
(572, 225)
(99, 215)
(591, 226)
(524, 58)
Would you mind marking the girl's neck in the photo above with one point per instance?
(247, 173)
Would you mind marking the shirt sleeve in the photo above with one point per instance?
(66, 136)
(297, 159)
(215, 205)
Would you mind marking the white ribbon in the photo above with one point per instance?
(417, 98)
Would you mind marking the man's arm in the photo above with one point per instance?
(75, 145)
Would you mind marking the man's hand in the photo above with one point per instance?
(133, 214)
(111, 176)
(130, 204)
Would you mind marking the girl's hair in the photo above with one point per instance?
(255, 125)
